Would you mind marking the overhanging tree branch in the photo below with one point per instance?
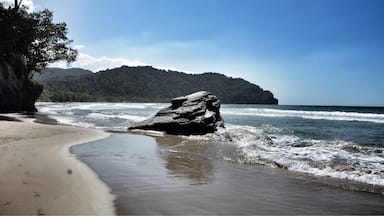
(17, 4)
(33, 38)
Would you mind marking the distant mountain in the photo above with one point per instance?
(59, 73)
(148, 84)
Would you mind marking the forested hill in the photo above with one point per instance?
(59, 73)
(148, 84)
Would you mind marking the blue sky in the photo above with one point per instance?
(319, 52)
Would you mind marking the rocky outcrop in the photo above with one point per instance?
(197, 113)
(17, 92)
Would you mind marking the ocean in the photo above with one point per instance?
(310, 149)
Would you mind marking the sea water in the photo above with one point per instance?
(345, 143)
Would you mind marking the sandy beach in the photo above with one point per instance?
(40, 176)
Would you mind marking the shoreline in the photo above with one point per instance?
(168, 175)
(41, 176)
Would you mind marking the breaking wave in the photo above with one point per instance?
(99, 115)
(327, 158)
(325, 115)
(278, 145)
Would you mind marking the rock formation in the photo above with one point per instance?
(197, 113)
(17, 92)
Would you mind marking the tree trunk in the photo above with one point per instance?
(17, 5)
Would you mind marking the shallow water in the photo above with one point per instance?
(174, 175)
(346, 143)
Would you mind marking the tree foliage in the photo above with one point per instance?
(33, 38)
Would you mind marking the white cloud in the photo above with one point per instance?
(28, 3)
(79, 46)
(95, 64)
(168, 68)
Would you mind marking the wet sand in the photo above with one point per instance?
(39, 176)
(169, 175)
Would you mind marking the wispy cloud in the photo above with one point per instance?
(28, 3)
(79, 46)
(93, 63)
(96, 63)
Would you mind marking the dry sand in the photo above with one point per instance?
(38, 175)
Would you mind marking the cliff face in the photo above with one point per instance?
(17, 92)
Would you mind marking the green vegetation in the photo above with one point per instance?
(33, 38)
(28, 43)
(58, 73)
(148, 84)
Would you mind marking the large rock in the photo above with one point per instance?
(197, 113)
(18, 92)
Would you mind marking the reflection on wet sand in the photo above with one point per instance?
(191, 160)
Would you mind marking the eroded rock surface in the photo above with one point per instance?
(197, 113)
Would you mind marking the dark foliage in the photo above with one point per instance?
(33, 38)
(28, 43)
(59, 73)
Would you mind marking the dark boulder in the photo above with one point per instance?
(18, 92)
(197, 113)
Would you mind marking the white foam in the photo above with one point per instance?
(103, 116)
(322, 158)
(44, 106)
(369, 178)
(72, 113)
(98, 116)
(334, 115)
(55, 108)
(149, 132)
(115, 106)
(73, 122)
(317, 157)
(133, 118)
